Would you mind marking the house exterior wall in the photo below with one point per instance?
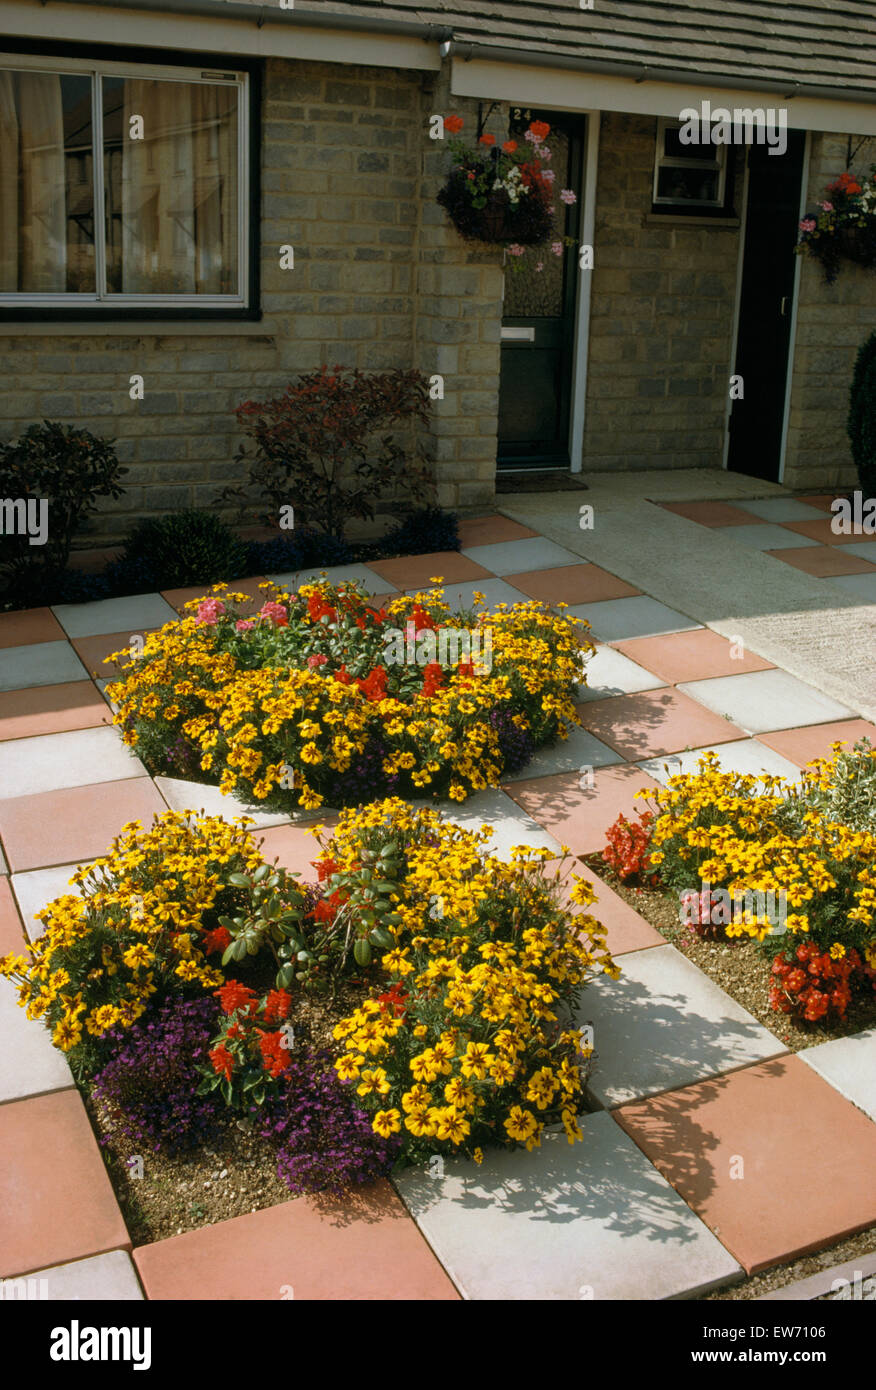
(661, 325)
(832, 323)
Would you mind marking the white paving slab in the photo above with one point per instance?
(761, 701)
(765, 536)
(594, 1220)
(29, 1064)
(34, 889)
(495, 591)
(509, 824)
(849, 1064)
(744, 755)
(133, 614)
(609, 673)
(104, 1278)
(40, 663)
(518, 557)
(373, 582)
(664, 1025)
(182, 795)
(616, 619)
(77, 759)
(580, 750)
(780, 509)
(862, 586)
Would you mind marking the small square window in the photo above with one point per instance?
(688, 178)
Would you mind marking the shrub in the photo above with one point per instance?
(862, 416)
(426, 530)
(317, 699)
(148, 1089)
(180, 549)
(304, 549)
(324, 446)
(70, 469)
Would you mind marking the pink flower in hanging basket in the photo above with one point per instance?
(515, 250)
(568, 196)
(557, 248)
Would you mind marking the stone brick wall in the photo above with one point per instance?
(661, 318)
(832, 322)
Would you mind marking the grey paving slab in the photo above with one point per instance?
(849, 1064)
(133, 614)
(104, 1278)
(373, 582)
(615, 619)
(580, 750)
(761, 701)
(746, 756)
(864, 549)
(664, 1025)
(509, 824)
(34, 889)
(518, 557)
(29, 1064)
(592, 1220)
(780, 509)
(41, 663)
(81, 758)
(609, 673)
(495, 591)
(862, 586)
(764, 536)
(181, 795)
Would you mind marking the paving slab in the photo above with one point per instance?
(775, 1161)
(860, 586)
(617, 619)
(29, 625)
(418, 571)
(368, 577)
(760, 701)
(56, 1201)
(40, 663)
(76, 823)
(12, 936)
(801, 746)
(495, 591)
(577, 811)
(781, 509)
(625, 929)
(80, 758)
(711, 514)
(492, 530)
(592, 1220)
(765, 536)
(663, 1025)
(823, 532)
(178, 598)
(293, 846)
(51, 709)
(29, 1064)
(362, 1248)
(509, 825)
(182, 795)
(573, 584)
(93, 651)
(864, 549)
(519, 557)
(35, 889)
(824, 561)
(655, 722)
(580, 750)
(610, 672)
(849, 1064)
(747, 756)
(101, 1279)
(136, 614)
(692, 656)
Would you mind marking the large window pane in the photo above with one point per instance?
(46, 177)
(172, 196)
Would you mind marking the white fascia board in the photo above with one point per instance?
(28, 19)
(564, 90)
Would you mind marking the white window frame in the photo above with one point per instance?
(665, 161)
(101, 297)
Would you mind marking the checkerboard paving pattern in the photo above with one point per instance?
(646, 1207)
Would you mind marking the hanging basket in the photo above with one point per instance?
(857, 244)
(499, 222)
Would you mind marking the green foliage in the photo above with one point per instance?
(181, 549)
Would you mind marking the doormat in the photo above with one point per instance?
(553, 480)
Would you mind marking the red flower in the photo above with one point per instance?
(433, 678)
(509, 146)
(327, 909)
(277, 1005)
(318, 608)
(325, 868)
(421, 619)
(454, 124)
(223, 1062)
(487, 139)
(275, 1057)
(233, 995)
(393, 1000)
(540, 128)
(342, 676)
(373, 687)
(216, 940)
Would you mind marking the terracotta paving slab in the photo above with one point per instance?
(491, 530)
(813, 741)
(417, 571)
(293, 846)
(51, 709)
(654, 722)
(11, 930)
(178, 598)
(709, 513)
(364, 1248)
(29, 625)
(74, 823)
(591, 1220)
(823, 501)
(579, 816)
(823, 561)
(808, 1175)
(92, 650)
(572, 584)
(365, 576)
(821, 531)
(104, 1278)
(691, 656)
(56, 1201)
(625, 929)
(664, 1024)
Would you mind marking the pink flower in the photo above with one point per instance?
(808, 224)
(557, 248)
(244, 624)
(516, 250)
(551, 208)
(568, 196)
(827, 207)
(548, 175)
(210, 611)
(540, 265)
(544, 152)
(316, 660)
(276, 613)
